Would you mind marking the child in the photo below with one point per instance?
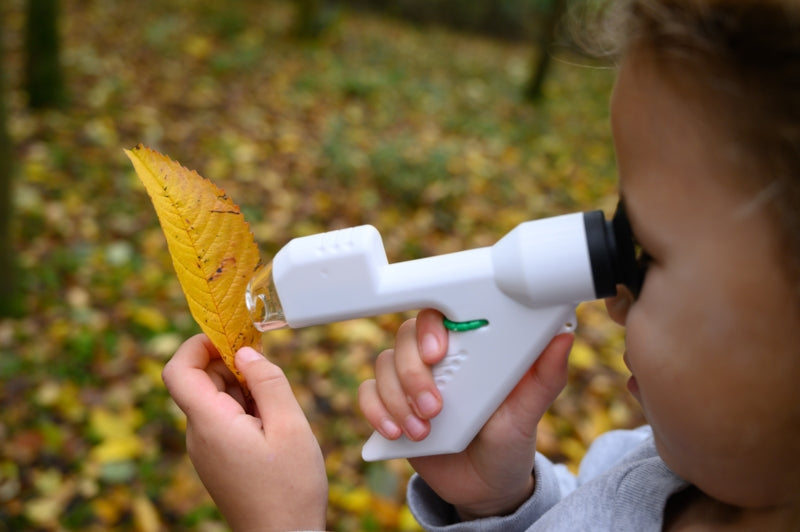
(706, 123)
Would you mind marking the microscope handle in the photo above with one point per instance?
(481, 368)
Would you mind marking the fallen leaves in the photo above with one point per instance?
(117, 435)
(419, 132)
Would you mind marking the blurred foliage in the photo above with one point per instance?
(423, 133)
(506, 19)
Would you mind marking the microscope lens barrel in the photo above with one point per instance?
(611, 251)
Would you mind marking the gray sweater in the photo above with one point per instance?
(622, 485)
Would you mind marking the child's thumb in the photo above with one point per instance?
(266, 381)
(539, 387)
(550, 370)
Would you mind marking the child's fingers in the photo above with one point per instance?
(269, 386)
(431, 336)
(550, 369)
(395, 399)
(225, 381)
(390, 391)
(416, 377)
(221, 376)
(539, 387)
(188, 379)
(376, 413)
(185, 374)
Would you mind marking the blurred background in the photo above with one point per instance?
(443, 123)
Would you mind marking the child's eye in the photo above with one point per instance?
(643, 260)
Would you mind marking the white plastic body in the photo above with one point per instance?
(527, 286)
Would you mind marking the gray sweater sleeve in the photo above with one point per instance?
(553, 483)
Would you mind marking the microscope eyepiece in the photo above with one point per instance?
(612, 252)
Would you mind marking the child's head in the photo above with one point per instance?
(706, 125)
(738, 62)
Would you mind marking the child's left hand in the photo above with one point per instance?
(264, 470)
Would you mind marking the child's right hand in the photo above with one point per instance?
(262, 465)
(493, 475)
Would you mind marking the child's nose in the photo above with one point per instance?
(619, 305)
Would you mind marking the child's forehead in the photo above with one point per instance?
(716, 101)
(672, 157)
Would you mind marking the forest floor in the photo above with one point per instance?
(421, 132)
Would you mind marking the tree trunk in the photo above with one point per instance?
(9, 293)
(541, 63)
(44, 84)
(312, 18)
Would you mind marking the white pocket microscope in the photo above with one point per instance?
(503, 304)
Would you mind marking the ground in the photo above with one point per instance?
(421, 132)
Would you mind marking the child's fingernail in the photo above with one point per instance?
(430, 345)
(414, 427)
(247, 354)
(390, 429)
(427, 404)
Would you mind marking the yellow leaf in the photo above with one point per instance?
(44, 510)
(117, 449)
(406, 520)
(211, 245)
(107, 424)
(145, 515)
(149, 318)
(53, 494)
(582, 355)
(356, 500)
(116, 431)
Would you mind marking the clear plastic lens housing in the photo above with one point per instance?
(263, 302)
